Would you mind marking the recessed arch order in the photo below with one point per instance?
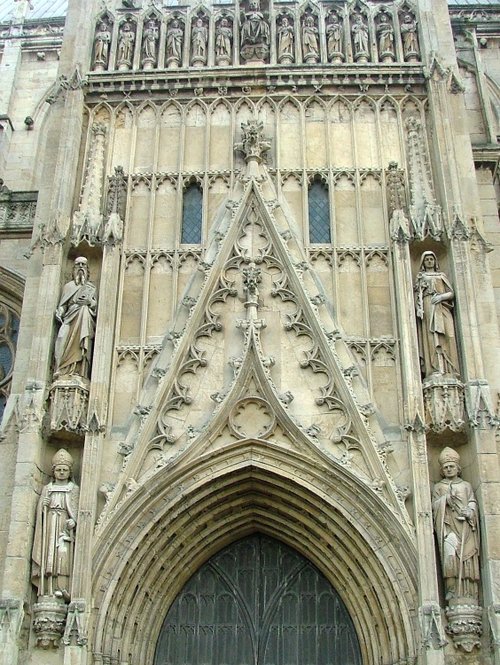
(180, 516)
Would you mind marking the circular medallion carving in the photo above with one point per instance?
(252, 417)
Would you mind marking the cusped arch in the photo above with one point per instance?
(177, 519)
(102, 112)
(289, 99)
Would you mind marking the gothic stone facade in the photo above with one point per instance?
(247, 260)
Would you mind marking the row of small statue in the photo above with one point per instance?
(255, 40)
(454, 508)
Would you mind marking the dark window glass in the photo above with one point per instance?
(9, 327)
(319, 214)
(192, 208)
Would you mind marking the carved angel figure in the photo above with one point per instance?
(334, 36)
(310, 38)
(385, 33)
(410, 39)
(456, 524)
(223, 39)
(436, 332)
(285, 40)
(359, 31)
(126, 46)
(255, 29)
(101, 46)
(199, 36)
(174, 41)
(150, 42)
(56, 518)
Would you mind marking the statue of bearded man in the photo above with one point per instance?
(76, 312)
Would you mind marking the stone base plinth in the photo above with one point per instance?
(465, 626)
(49, 619)
(69, 396)
(444, 403)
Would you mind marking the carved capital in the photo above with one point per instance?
(49, 619)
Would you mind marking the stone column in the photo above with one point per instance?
(476, 314)
(32, 370)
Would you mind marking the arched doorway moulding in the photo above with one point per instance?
(180, 516)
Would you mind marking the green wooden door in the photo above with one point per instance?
(258, 602)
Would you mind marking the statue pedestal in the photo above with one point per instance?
(49, 619)
(444, 403)
(255, 54)
(465, 625)
(69, 396)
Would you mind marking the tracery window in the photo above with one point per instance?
(192, 215)
(319, 213)
(9, 328)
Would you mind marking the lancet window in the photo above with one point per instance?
(319, 213)
(192, 215)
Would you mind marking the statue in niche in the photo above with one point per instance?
(334, 38)
(310, 40)
(223, 38)
(385, 33)
(410, 40)
(174, 43)
(126, 43)
(150, 44)
(456, 523)
(199, 37)
(436, 332)
(359, 30)
(101, 46)
(54, 542)
(285, 41)
(76, 313)
(255, 34)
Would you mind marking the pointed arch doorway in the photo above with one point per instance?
(258, 602)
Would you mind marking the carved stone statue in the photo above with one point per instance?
(150, 45)
(285, 41)
(411, 50)
(223, 39)
(359, 31)
(76, 312)
(102, 41)
(126, 43)
(310, 40)
(174, 44)
(199, 37)
(436, 332)
(385, 33)
(334, 38)
(255, 33)
(56, 518)
(254, 145)
(456, 524)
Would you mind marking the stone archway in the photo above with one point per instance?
(258, 602)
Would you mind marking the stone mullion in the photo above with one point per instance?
(91, 459)
(428, 590)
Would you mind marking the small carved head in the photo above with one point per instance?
(80, 270)
(449, 461)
